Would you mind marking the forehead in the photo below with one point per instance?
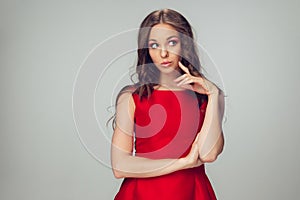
(162, 31)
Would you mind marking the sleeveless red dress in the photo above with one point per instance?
(165, 126)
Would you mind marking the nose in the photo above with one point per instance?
(164, 52)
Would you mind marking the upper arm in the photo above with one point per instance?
(123, 133)
(215, 151)
(221, 101)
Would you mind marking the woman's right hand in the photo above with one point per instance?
(193, 159)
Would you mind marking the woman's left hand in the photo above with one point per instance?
(201, 84)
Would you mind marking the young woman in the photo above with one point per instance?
(169, 123)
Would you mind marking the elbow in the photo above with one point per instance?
(119, 168)
(215, 152)
(212, 156)
(118, 174)
(209, 158)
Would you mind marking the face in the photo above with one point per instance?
(164, 47)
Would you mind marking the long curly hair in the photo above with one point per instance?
(147, 73)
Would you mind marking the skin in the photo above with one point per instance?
(164, 45)
(211, 131)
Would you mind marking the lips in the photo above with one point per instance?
(166, 63)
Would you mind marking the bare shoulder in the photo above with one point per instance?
(128, 89)
(125, 96)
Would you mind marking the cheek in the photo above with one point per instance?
(176, 51)
(153, 55)
(176, 54)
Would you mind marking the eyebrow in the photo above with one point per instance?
(167, 38)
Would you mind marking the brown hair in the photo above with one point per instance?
(148, 74)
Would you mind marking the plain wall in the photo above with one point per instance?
(255, 45)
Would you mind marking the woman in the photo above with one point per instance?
(169, 123)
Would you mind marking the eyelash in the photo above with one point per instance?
(174, 41)
(152, 44)
(171, 41)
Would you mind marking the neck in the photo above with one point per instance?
(167, 80)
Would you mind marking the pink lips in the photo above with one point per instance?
(166, 64)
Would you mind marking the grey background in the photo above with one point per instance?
(254, 43)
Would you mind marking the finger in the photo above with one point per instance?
(205, 83)
(195, 149)
(182, 82)
(187, 80)
(180, 78)
(199, 162)
(188, 87)
(184, 68)
(204, 86)
(196, 139)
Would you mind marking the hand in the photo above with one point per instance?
(200, 84)
(193, 159)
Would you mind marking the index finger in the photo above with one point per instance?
(196, 139)
(184, 68)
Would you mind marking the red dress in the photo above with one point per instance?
(165, 126)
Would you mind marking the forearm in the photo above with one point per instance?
(211, 140)
(126, 165)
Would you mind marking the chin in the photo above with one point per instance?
(166, 70)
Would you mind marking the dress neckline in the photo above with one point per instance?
(172, 90)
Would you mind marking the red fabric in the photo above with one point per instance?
(166, 125)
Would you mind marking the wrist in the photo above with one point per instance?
(214, 93)
(182, 163)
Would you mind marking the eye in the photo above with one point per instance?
(173, 42)
(153, 45)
